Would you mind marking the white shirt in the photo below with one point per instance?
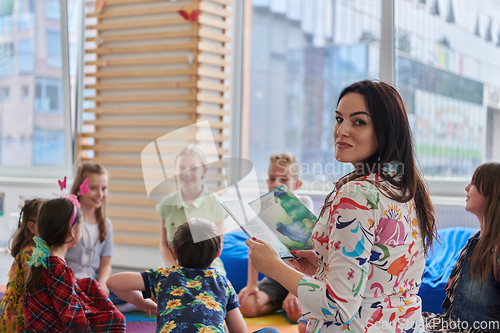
(90, 236)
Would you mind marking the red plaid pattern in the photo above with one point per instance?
(62, 304)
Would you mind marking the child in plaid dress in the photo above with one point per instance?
(12, 304)
(55, 301)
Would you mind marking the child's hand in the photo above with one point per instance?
(247, 292)
(292, 307)
(104, 288)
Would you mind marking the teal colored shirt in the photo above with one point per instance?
(174, 212)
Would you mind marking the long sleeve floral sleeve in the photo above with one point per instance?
(370, 265)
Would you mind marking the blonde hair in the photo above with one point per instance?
(286, 160)
(83, 172)
(194, 150)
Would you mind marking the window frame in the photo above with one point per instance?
(447, 190)
(43, 173)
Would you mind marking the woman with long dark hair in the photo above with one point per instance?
(374, 229)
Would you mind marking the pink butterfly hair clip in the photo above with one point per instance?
(73, 198)
(84, 188)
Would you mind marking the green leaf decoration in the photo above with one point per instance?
(199, 325)
(357, 289)
(313, 286)
(385, 250)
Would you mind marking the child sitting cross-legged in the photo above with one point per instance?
(260, 298)
(54, 301)
(190, 296)
(12, 303)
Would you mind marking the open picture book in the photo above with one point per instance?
(278, 218)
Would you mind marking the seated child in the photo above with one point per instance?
(188, 296)
(192, 199)
(260, 298)
(11, 306)
(91, 257)
(54, 302)
(472, 301)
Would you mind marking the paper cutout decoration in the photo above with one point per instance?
(189, 14)
(98, 6)
(84, 187)
(99, 40)
(62, 184)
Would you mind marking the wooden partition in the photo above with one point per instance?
(151, 68)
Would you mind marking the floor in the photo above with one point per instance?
(274, 320)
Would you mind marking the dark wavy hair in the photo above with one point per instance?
(202, 253)
(23, 237)
(53, 227)
(486, 179)
(395, 144)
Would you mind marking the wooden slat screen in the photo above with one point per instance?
(148, 72)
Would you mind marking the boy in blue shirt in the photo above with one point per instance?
(260, 298)
(191, 295)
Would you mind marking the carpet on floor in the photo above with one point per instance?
(141, 322)
(277, 320)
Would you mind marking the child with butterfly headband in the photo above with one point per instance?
(54, 302)
(12, 304)
(91, 257)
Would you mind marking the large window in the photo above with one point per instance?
(6, 11)
(53, 47)
(48, 96)
(6, 59)
(35, 135)
(25, 56)
(446, 53)
(26, 17)
(304, 52)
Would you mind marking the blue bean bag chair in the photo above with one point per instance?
(235, 258)
(438, 266)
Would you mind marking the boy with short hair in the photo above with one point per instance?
(190, 295)
(264, 297)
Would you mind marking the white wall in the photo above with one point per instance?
(15, 191)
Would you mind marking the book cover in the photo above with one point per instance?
(278, 218)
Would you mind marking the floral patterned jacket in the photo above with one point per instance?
(371, 260)
(189, 299)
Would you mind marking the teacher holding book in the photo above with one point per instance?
(374, 228)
